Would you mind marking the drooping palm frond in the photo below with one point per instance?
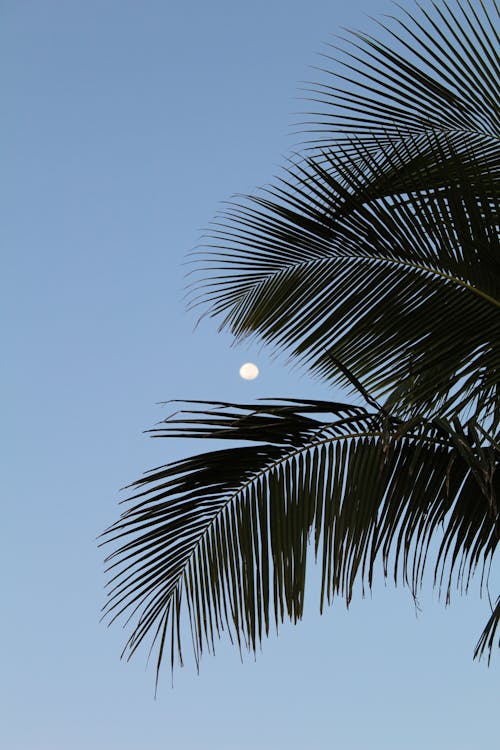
(387, 262)
(221, 540)
(375, 261)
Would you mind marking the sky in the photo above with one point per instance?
(124, 125)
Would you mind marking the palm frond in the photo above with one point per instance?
(375, 262)
(380, 250)
(387, 263)
(220, 541)
(438, 70)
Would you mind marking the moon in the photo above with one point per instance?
(249, 371)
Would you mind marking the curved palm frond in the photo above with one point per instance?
(381, 250)
(374, 261)
(387, 262)
(221, 539)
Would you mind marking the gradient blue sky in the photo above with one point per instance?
(124, 124)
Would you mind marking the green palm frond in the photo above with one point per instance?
(220, 541)
(380, 250)
(438, 70)
(389, 263)
(375, 261)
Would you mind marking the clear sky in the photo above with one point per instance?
(124, 124)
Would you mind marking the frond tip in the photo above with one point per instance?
(374, 260)
(220, 541)
(486, 643)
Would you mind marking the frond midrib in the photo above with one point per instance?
(380, 259)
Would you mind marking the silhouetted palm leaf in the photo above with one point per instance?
(222, 538)
(403, 288)
(375, 261)
(436, 70)
(381, 248)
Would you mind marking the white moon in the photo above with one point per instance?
(249, 371)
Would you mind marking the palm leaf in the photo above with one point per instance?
(438, 70)
(388, 263)
(375, 262)
(380, 250)
(220, 541)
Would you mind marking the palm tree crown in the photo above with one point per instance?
(374, 261)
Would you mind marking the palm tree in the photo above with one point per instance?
(373, 260)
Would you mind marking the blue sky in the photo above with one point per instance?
(124, 124)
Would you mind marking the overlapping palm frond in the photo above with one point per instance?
(402, 287)
(222, 538)
(374, 260)
(380, 249)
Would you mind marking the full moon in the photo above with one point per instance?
(249, 371)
